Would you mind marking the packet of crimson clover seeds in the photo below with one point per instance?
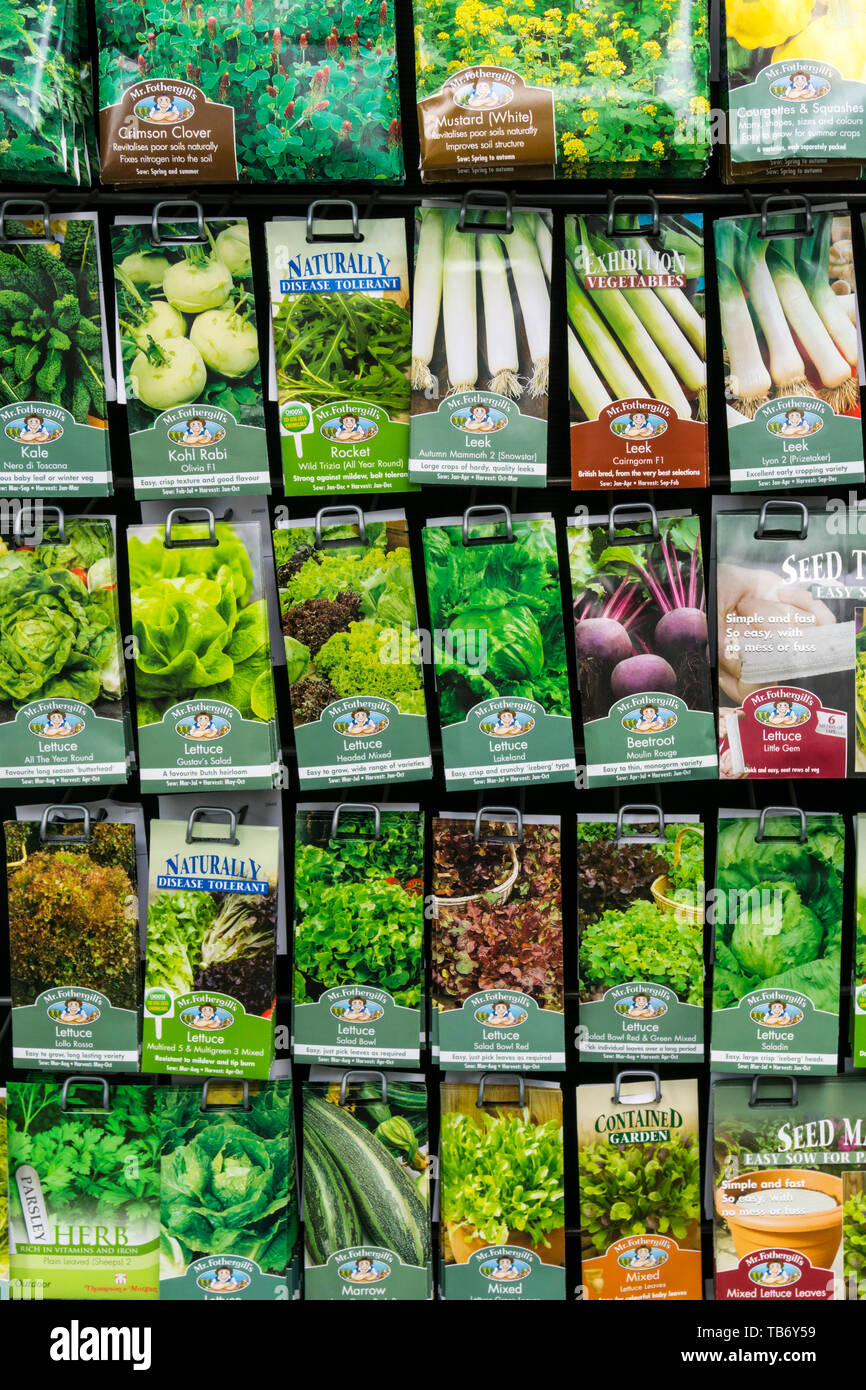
(497, 979)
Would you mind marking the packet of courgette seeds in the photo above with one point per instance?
(497, 977)
(342, 345)
(72, 890)
(209, 979)
(353, 655)
(778, 941)
(54, 355)
(639, 1165)
(83, 1189)
(187, 339)
(367, 1169)
(64, 716)
(640, 908)
(358, 961)
(640, 630)
(480, 346)
(228, 1238)
(204, 688)
(499, 649)
(4, 1201)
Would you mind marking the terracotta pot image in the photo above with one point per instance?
(813, 1225)
(465, 1242)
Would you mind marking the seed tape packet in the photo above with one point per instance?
(342, 344)
(209, 986)
(83, 1189)
(499, 653)
(501, 1198)
(353, 655)
(778, 944)
(54, 355)
(72, 890)
(191, 379)
(64, 717)
(46, 109)
(497, 977)
(204, 688)
(4, 1201)
(358, 978)
(228, 1204)
(637, 372)
(640, 629)
(274, 93)
(367, 1172)
(480, 347)
(640, 896)
(792, 345)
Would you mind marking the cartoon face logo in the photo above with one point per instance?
(34, 429)
(364, 1270)
(164, 108)
(642, 1257)
(782, 714)
(505, 1269)
(776, 1013)
(74, 1012)
(641, 1004)
(197, 431)
(356, 1009)
(649, 719)
(800, 86)
(484, 94)
(57, 723)
(638, 424)
(501, 1014)
(206, 1018)
(775, 1273)
(223, 1279)
(506, 723)
(361, 723)
(202, 725)
(348, 428)
(479, 419)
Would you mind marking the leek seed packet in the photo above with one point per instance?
(209, 981)
(499, 653)
(778, 947)
(358, 964)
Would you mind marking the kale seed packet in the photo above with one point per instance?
(499, 649)
(497, 977)
(367, 1170)
(204, 687)
(640, 904)
(347, 604)
(358, 965)
(83, 1189)
(209, 980)
(228, 1202)
(778, 941)
(191, 378)
(643, 663)
(639, 1164)
(72, 890)
(342, 343)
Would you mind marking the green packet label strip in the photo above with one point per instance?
(316, 459)
(800, 1039)
(114, 1273)
(367, 1271)
(483, 1033)
(56, 457)
(98, 1037)
(617, 1029)
(618, 752)
(86, 749)
(825, 119)
(387, 1033)
(859, 1040)
(205, 1280)
(761, 455)
(504, 1272)
(177, 457)
(240, 754)
(396, 748)
(534, 747)
(174, 1042)
(446, 446)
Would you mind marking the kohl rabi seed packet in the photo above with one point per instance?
(497, 975)
(83, 1189)
(353, 655)
(358, 962)
(499, 652)
(640, 906)
(204, 687)
(191, 379)
(209, 979)
(778, 941)
(643, 663)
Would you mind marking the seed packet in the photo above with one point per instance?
(83, 1189)
(209, 988)
(640, 629)
(72, 890)
(64, 717)
(500, 1140)
(191, 379)
(497, 977)
(640, 903)
(499, 653)
(639, 1162)
(778, 947)
(204, 688)
(342, 343)
(637, 372)
(366, 1186)
(46, 106)
(358, 963)
(228, 1205)
(480, 347)
(248, 90)
(353, 655)
(858, 989)
(792, 346)
(4, 1201)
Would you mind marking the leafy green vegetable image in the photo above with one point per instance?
(502, 1174)
(632, 1189)
(46, 105)
(213, 941)
(854, 1235)
(333, 345)
(644, 944)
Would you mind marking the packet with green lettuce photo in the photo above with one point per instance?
(367, 1169)
(209, 979)
(84, 1189)
(778, 941)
